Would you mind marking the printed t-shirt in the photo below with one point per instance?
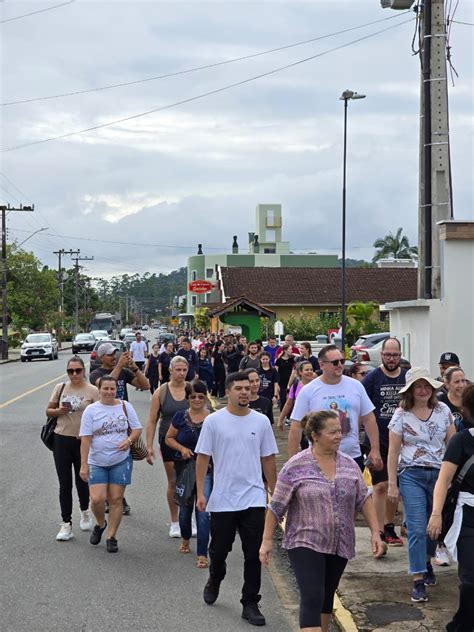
(79, 398)
(262, 405)
(460, 448)
(348, 399)
(126, 377)
(236, 444)
(383, 392)
(423, 442)
(138, 351)
(108, 427)
(268, 379)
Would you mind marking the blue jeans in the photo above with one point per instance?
(416, 488)
(202, 520)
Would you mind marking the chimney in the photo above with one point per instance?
(256, 245)
(200, 252)
(235, 246)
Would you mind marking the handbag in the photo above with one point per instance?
(47, 431)
(185, 484)
(138, 449)
(449, 507)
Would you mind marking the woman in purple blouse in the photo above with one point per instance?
(318, 490)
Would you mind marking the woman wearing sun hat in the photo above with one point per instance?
(419, 432)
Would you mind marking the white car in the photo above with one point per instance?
(100, 334)
(41, 345)
(372, 356)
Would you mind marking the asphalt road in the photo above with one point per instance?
(50, 586)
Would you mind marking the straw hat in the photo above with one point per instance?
(419, 373)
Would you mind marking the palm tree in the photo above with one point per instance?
(394, 247)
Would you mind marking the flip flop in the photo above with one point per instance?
(184, 547)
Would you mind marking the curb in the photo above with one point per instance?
(8, 360)
(343, 616)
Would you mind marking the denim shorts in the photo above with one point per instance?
(118, 474)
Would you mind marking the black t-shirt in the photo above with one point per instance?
(285, 368)
(457, 412)
(460, 448)
(312, 360)
(268, 379)
(233, 359)
(384, 394)
(191, 356)
(126, 377)
(263, 405)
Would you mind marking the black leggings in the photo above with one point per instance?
(318, 576)
(67, 454)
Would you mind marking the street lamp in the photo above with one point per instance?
(32, 235)
(346, 95)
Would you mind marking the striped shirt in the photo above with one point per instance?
(319, 512)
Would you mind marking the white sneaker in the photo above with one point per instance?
(441, 556)
(65, 532)
(175, 531)
(194, 529)
(86, 521)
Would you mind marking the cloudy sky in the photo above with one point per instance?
(194, 172)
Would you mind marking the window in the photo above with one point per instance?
(269, 251)
(209, 273)
(194, 275)
(207, 296)
(270, 236)
(193, 300)
(270, 217)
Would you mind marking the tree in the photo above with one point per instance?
(201, 318)
(394, 247)
(362, 319)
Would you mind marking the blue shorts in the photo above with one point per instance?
(118, 474)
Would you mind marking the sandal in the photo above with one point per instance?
(184, 547)
(201, 561)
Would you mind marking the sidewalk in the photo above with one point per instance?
(375, 594)
(14, 354)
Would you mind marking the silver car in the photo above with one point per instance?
(41, 345)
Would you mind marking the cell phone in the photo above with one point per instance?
(67, 405)
(367, 461)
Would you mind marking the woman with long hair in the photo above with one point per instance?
(304, 375)
(455, 383)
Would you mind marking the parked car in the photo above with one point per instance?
(145, 327)
(366, 342)
(165, 337)
(129, 338)
(118, 344)
(83, 342)
(372, 356)
(100, 334)
(40, 345)
(124, 331)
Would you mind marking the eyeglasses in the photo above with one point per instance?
(335, 362)
(202, 397)
(391, 355)
(74, 371)
(363, 373)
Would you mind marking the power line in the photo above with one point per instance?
(465, 23)
(205, 94)
(25, 15)
(198, 68)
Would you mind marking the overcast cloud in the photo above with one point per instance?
(194, 173)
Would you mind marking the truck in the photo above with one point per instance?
(109, 322)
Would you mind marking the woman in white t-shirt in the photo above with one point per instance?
(418, 434)
(106, 461)
(67, 403)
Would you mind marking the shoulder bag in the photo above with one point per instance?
(450, 503)
(138, 449)
(47, 431)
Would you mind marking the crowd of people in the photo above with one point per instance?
(411, 431)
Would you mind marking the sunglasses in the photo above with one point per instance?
(363, 373)
(74, 371)
(335, 362)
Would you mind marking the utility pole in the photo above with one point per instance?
(76, 265)
(4, 209)
(60, 253)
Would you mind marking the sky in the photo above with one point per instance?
(139, 195)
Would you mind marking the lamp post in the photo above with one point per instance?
(346, 95)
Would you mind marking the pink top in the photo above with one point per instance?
(319, 512)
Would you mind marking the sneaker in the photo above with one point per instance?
(419, 591)
(391, 537)
(442, 556)
(429, 577)
(65, 532)
(251, 612)
(86, 521)
(211, 591)
(112, 545)
(175, 531)
(194, 529)
(126, 507)
(96, 534)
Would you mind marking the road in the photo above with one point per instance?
(51, 586)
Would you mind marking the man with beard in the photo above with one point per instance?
(383, 385)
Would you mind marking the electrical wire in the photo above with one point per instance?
(25, 15)
(465, 23)
(198, 68)
(205, 94)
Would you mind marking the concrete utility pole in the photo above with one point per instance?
(60, 253)
(4, 209)
(435, 192)
(76, 311)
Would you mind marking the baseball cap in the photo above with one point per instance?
(106, 349)
(449, 358)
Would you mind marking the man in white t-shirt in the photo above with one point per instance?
(139, 351)
(241, 444)
(347, 397)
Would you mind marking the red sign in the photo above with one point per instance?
(200, 287)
